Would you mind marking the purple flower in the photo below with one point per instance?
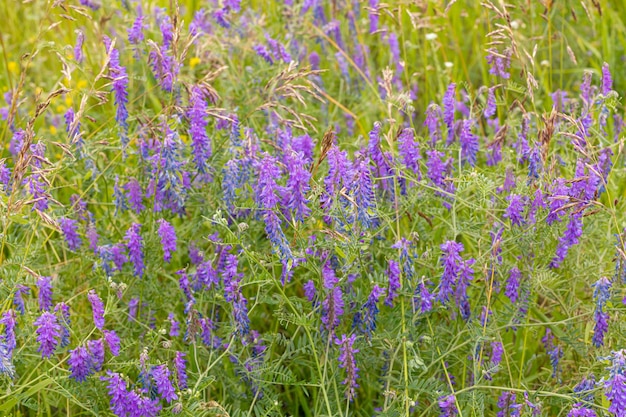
(499, 63)
(48, 333)
(18, 301)
(80, 363)
(174, 325)
(309, 290)
(447, 405)
(96, 352)
(135, 32)
(601, 294)
(615, 385)
(232, 294)
(580, 410)
(607, 81)
(69, 228)
(264, 53)
(512, 284)
(393, 272)
(365, 319)
(78, 48)
(448, 110)
(363, 193)
(506, 405)
(200, 142)
(181, 374)
(337, 176)
(515, 210)
(134, 195)
(451, 262)
(496, 352)
(98, 309)
(92, 237)
(134, 244)
(573, 232)
(8, 338)
(112, 341)
(297, 187)
(469, 142)
(348, 363)
(409, 150)
(432, 122)
(490, 108)
(118, 254)
(332, 306)
(45, 293)
(63, 311)
(161, 376)
(422, 298)
(5, 177)
(17, 141)
(553, 350)
(466, 274)
(118, 197)
(91, 4)
(119, 86)
(168, 239)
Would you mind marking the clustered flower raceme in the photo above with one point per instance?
(281, 181)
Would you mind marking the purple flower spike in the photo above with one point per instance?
(168, 239)
(348, 363)
(80, 363)
(98, 309)
(134, 243)
(448, 111)
(607, 80)
(181, 374)
(394, 282)
(45, 293)
(515, 210)
(447, 404)
(113, 341)
(161, 376)
(451, 261)
(119, 85)
(512, 284)
(48, 333)
(134, 195)
(69, 228)
(469, 142)
(200, 142)
(601, 295)
(96, 353)
(78, 49)
(615, 385)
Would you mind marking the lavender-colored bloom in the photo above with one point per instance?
(48, 333)
(98, 309)
(92, 237)
(297, 187)
(277, 50)
(393, 272)
(496, 352)
(332, 306)
(119, 86)
(113, 341)
(133, 306)
(607, 80)
(490, 107)
(365, 319)
(167, 233)
(363, 193)
(91, 4)
(80, 363)
(553, 350)
(558, 199)
(337, 176)
(264, 53)
(69, 228)
(8, 338)
(506, 405)
(78, 48)
(161, 376)
(63, 312)
(134, 195)
(409, 150)
(512, 284)
(580, 410)
(573, 232)
(18, 301)
(466, 274)
(232, 294)
(615, 385)
(448, 110)
(422, 298)
(134, 244)
(309, 290)
(200, 24)
(499, 63)
(44, 284)
(200, 142)
(451, 262)
(96, 353)
(180, 365)
(5, 177)
(118, 254)
(174, 325)
(601, 295)
(17, 142)
(447, 405)
(118, 197)
(135, 32)
(432, 122)
(348, 363)
(469, 142)
(515, 210)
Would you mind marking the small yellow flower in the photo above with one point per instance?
(53, 129)
(81, 84)
(12, 65)
(184, 138)
(194, 61)
(68, 100)
(61, 108)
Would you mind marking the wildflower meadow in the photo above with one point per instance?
(312, 208)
